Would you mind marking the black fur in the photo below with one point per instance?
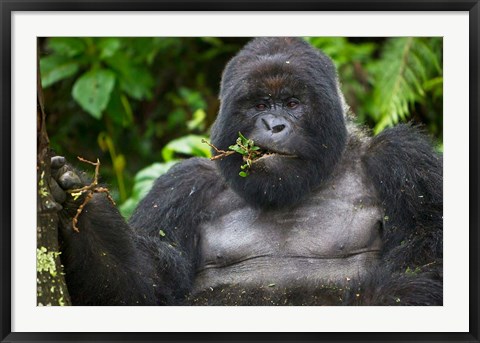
(153, 259)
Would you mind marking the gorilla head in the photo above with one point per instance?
(283, 94)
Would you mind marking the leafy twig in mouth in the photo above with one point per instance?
(245, 147)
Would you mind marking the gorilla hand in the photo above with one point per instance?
(64, 178)
(72, 191)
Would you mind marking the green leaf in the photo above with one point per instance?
(212, 40)
(153, 171)
(242, 138)
(341, 51)
(198, 120)
(161, 233)
(190, 145)
(55, 68)
(193, 99)
(119, 108)
(431, 84)
(127, 208)
(133, 79)
(67, 46)
(108, 47)
(144, 181)
(243, 174)
(93, 89)
(119, 163)
(238, 149)
(104, 141)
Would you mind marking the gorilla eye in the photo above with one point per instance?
(292, 103)
(261, 107)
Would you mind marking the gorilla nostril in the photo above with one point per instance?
(278, 128)
(266, 124)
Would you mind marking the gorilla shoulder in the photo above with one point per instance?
(180, 196)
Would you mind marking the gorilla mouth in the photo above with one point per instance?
(267, 153)
(270, 152)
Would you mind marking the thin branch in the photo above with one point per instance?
(89, 190)
(221, 153)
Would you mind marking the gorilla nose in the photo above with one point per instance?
(273, 125)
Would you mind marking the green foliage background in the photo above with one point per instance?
(142, 104)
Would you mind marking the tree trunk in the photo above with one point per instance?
(51, 286)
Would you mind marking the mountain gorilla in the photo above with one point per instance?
(329, 216)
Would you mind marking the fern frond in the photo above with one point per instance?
(406, 64)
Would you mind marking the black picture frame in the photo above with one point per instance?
(10, 6)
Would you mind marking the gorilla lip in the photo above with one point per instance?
(265, 153)
(272, 154)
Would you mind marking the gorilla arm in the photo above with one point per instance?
(109, 262)
(408, 176)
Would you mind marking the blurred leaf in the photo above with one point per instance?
(127, 208)
(119, 108)
(176, 119)
(212, 40)
(128, 110)
(153, 171)
(439, 147)
(193, 99)
(67, 46)
(190, 145)
(108, 47)
(134, 80)
(119, 163)
(143, 182)
(55, 68)
(103, 141)
(198, 120)
(341, 51)
(432, 84)
(93, 89)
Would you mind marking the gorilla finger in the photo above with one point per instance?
(69, 180)
(58, 193)
(57, 162)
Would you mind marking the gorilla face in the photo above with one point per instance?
(281, 93)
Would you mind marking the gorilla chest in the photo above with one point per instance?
(333, 236)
